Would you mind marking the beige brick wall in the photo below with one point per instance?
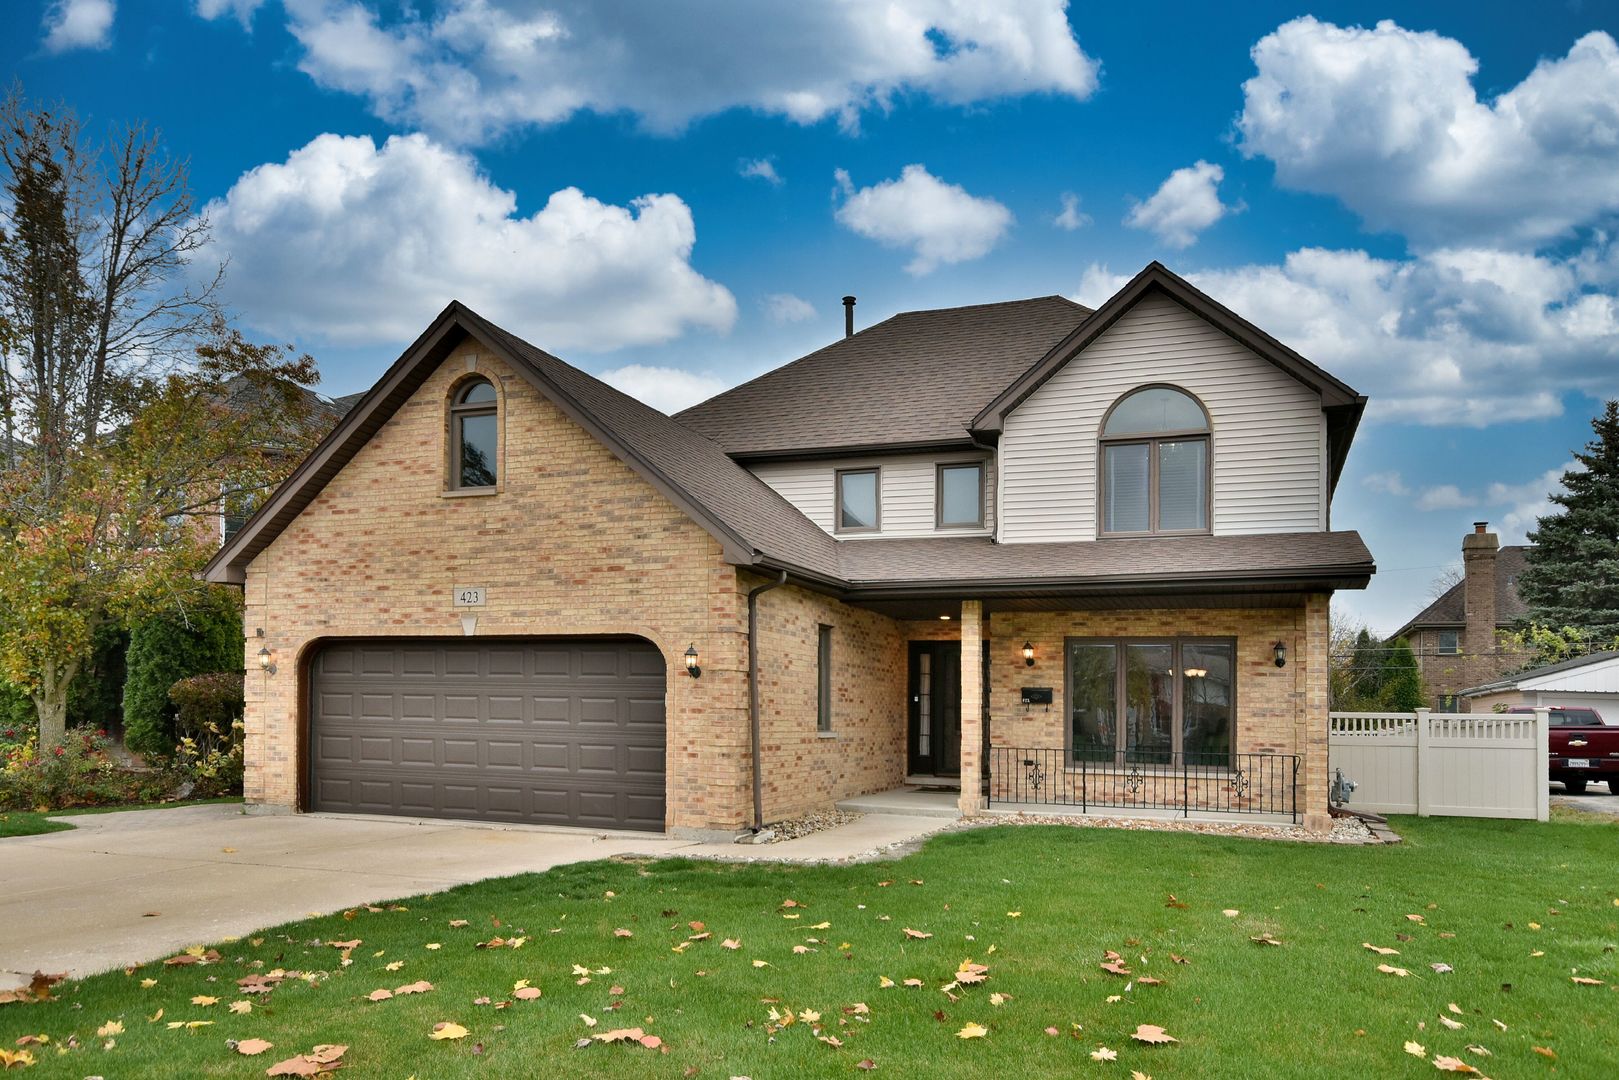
(574, 543)
(865, 751)
(1279, 710)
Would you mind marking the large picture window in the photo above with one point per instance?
(1155, 464)
(474, 436)
(1167, 701)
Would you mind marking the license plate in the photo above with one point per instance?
(1579, 763)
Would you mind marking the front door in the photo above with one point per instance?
(935, 709)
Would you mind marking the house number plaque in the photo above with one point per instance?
(469, 596)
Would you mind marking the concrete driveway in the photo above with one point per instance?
(131, 887)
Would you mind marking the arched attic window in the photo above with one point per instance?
(474, 435)
(1155, 464)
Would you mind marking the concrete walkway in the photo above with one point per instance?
(131, 887)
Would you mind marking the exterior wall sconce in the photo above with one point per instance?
(266, 657)
(1280, 651)
(1028, 654)
(691, 662)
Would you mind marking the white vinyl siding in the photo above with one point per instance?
(1266, 441)
(907, 489)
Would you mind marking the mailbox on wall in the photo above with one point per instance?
(1037, 695)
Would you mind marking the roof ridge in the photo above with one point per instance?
(992, 304)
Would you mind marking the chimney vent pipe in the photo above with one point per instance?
(848, 316)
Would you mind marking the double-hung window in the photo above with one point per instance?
(1155, 464)
(1169, 700)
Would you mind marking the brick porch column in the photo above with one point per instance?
(1311, 741)
(972, 706)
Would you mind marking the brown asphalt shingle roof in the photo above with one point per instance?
(978, 559)
(1451, 608)
(918, 377)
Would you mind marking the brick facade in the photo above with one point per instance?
(573, 543)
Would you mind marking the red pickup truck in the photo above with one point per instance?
(1582, 748)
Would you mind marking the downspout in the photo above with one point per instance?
(753, 694)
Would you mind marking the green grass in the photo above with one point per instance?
(1315, 1006)
(30, 823)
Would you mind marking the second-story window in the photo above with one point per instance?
(1450, 642)
(857, 491)
(961, 496)
(1155, 464)
(474, 434)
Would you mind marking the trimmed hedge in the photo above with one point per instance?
(167, 648)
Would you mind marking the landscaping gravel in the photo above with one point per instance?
(812, 823)
(1344, 830)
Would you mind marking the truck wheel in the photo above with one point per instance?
(1575, 787)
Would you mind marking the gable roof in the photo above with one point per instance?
(913, 380)
(1450, 609)
(739, 510)
(1339, 401)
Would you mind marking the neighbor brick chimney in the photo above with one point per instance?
(1479, 550)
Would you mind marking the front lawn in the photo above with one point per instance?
(1515, 909)
(28, 823)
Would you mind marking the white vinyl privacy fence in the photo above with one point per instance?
(1446, 764)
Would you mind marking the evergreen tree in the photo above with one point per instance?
(1401, 687)
(1572, 575)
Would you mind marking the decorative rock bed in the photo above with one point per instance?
(1345, 830)
(812, 823)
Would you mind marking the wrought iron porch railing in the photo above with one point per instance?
(1211, 783)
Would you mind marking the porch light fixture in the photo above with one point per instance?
(1280, 650)
(266, 657)
(1196, 672)
(691, 662)
(1028, 654)
(944, 618)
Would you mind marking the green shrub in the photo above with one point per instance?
(208, 718)
(80, 772)
(171, 647)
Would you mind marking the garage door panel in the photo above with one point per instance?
(558, 732)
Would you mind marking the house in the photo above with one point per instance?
(501, 589)
(1455, 638)
(1586, 682)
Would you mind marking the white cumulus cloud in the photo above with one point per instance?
(1387, 483)
(787, 308)
(1444, 497)
(1183, 206)
(1388, 121)
(940, 223)
(1460, 336)
(666, 389)
(79, 24)
(242, 10)
(1070, 217)
(476, 68)
(348, 242)
(761, 169)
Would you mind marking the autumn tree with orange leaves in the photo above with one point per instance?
(131, 408)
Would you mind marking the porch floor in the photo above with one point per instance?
(906, 800)
(920, 803)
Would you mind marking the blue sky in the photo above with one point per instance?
(1420, 197)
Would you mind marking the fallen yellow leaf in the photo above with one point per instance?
(448, 1031)
(972, 1031)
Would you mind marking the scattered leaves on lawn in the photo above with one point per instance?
(1580, 980)
(447, 1030)
(252, 1047)
(972, 1031)
(917, 935)
(1379, 950)
(1454, 1064)
(1265, 939)
(109, 1029)
(1389, 969)
(1415, 1049)
(1152, 1034)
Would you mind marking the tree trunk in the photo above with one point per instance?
(51, 703)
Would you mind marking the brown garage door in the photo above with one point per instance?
(548, 732)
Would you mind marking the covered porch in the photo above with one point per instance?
(1203, 707)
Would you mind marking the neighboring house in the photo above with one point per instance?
(501, 589)
(1455, 637)
(1588, 682)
